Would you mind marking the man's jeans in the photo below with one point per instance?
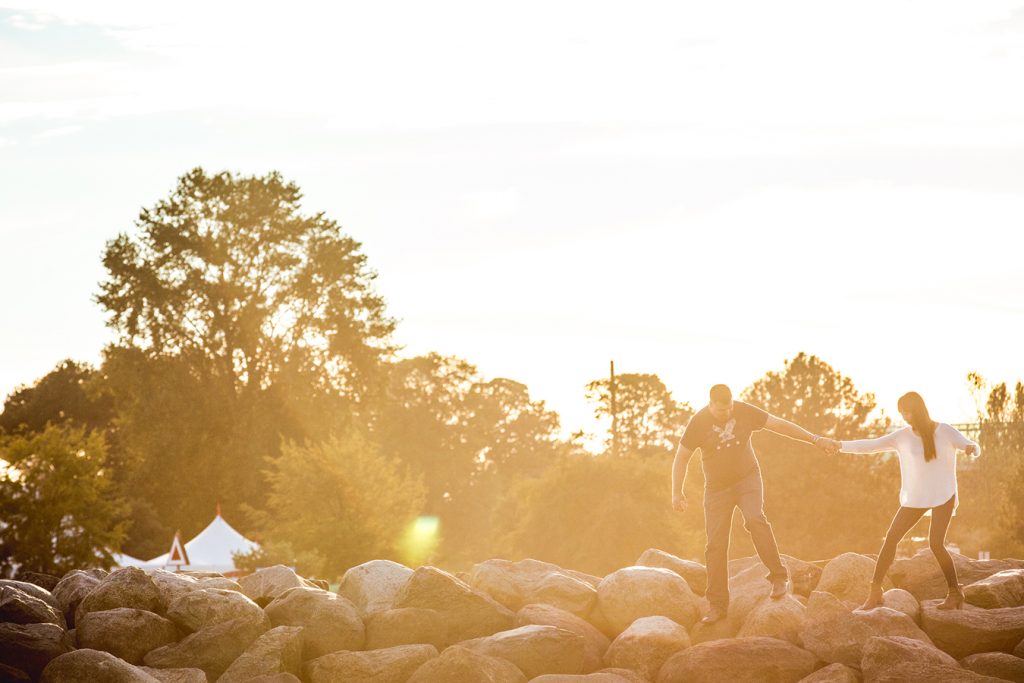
(748, 495)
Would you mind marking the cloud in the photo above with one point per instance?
(58, 132)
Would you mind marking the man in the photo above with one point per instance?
(732, 479)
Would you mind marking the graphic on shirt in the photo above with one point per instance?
(726, 438)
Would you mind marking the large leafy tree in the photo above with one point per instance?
(241, 320)
(70, 393)
(648, 420)
(59, 506)
(817, 503)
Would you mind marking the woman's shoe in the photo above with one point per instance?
(954, 600)
(874, 599)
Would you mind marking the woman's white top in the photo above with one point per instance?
(923, 484)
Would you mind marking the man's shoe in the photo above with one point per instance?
(714, 615)
(779, 588)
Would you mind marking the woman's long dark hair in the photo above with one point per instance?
(912, 404)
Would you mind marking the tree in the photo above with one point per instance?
(334, 505)
(58, 504)
(648, 420)
(70, 393)
(816, 502)
(241, 321)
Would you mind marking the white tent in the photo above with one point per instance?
(210, 551)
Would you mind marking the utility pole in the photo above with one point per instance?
(615, 421)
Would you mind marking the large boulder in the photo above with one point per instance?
(279, 650)
(373, 586)
(633, 592)
(45, 581)
(514, 584)
(125, 632)
(35, 590)
(534, 649)
(92, 666)
(204, 607)
(406, 626)
(747, 590)
(897, 660)
(263, 585)
(971, 630)
(836, 633)
(694, 573)
(187, 675)
(461, 665)
(903, 601)
(739, 660)
(848, 577)
(390, 665)
(212, 649)
(922, 576)
(30, 647)
(1002, 589)
(595, 643)
(996, 664)
(127, 587)
(833, 673)
(607, 676)
(331, 622)
(783, 619)
(470, 613)
(172, 585)
(646, 645)
(20, 607)
(71, 590)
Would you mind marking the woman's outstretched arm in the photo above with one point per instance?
(880, 445)
(963, 443)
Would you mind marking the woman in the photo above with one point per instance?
(927, 454)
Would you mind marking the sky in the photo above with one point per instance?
(698, 190)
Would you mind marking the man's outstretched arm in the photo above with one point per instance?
(682, 459)
(793, 431)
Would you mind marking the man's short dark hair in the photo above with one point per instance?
(721, 394)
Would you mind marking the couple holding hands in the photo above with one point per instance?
(721, 431)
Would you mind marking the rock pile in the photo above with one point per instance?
(513, 622)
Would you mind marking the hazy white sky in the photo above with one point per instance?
(700, 190)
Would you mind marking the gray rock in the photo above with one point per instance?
(848, 577)
(971, 630)
(883, 652)
(835, 633)
(535, 649)
(833, 673)
(747, 590)
(44, 594)
(269, 583)
(595, 643)
(71, 590)
(45, 581)
(205, 607)
(634, 592)
(92, 666)
(30, 647)
(373, 586)
(646, 645)
(616, 676)
(803, 575)
(19, 607)
(470, 613)
(212, 649)
(996, 664)
(127, 587)
(125, 632)
(922, 576)
(694, 573)
(391, 665)
(1002, 589)
(460, 665)
(739, 660)
(783, 619)
(515, 584)
(331, 622)
(277, 651)
(8, 674)
(176, 675)
(903, 601)
(406, 626)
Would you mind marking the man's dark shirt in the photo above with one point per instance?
(726, 453)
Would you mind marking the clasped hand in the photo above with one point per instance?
(828, 446)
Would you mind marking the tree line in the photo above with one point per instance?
(255, 366)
